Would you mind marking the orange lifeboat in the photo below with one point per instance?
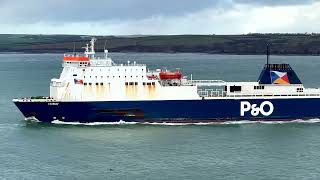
(167, 75)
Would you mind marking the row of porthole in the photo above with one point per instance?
(126, 83)
(97, 84)
(81, 65)
(136, 83)
(68, 62)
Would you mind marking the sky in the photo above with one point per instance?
(153, 17)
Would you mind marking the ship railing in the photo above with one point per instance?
(57, 84)
(132, 64)
(35, 99)
(101, 62)
(222, 93)
(207, 82)
(212, 93)
(109, 62)
(80, 54)
(271, 95)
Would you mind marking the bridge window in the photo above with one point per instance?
(299, 89)
(136, 83)
(101, 84)
(97, 84)
(85, 84)
(131, 83)
(258, 87)
(153, 83)
(235, 88)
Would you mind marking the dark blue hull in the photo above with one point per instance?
(173, 110)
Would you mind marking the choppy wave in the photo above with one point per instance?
(184, 124)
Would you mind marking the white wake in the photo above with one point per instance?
(184, 124)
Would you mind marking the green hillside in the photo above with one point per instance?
(304, 44)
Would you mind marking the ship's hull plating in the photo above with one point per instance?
(213, 110)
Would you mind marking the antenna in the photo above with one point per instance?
(74, 48)
(105, 44)
(105, 50)
(93, 40)
(268, 53)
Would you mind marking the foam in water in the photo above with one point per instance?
(93, 123)
(121, 122)
(32, 119)
(202, 123)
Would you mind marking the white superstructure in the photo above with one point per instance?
(86, 77)
(89, 78)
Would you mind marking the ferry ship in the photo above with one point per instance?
(96, 89)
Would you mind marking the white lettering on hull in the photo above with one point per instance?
(246, 106)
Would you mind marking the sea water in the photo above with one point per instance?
(231, 150)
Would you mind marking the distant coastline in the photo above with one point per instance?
(249, 44)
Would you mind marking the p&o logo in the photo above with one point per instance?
(255, 110)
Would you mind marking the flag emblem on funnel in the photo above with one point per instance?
(78, 81)
(279, 77)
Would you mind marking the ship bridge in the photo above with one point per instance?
(87, 58)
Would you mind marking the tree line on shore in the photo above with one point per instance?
(281, 44)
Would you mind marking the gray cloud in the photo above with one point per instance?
(275, 2)
(125, 17)
(57, 11)
(96, 10)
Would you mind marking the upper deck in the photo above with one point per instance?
(87, 77)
